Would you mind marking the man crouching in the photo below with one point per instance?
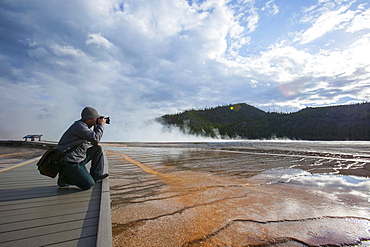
(84, 142)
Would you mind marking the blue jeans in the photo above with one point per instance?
(77, 174)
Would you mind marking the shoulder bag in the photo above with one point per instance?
(51, 161)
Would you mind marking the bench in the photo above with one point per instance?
(32, 137)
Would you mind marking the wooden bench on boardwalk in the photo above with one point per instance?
(32, 137)
(34, 211)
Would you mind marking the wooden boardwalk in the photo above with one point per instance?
(34, 211)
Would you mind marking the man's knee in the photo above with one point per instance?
(87, 184)
(96, 150)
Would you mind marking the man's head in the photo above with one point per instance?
(89, 115)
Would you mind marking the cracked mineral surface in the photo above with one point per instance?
(252, 193)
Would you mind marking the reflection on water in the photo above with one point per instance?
(250, 193)
(352, 190)
(279, 175)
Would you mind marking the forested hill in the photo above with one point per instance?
(345, 122)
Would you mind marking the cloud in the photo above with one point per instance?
(327, 21)
(137, 60)
(271, 8)
(66, 51)
(96, 38)
(38, 52)
(360, 22)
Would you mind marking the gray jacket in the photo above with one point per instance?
(79, 133)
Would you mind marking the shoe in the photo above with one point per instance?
(62, 182)
(101, 176)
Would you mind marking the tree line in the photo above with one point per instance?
(243, 121)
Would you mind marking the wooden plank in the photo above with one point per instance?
(47, 229)
(29, 217)
(46, 194)
(61, 209)
(15, 223)
(55, 238)
(81, 242)
(11, 205)
(34, 211)
(104, 235)
(43, 194)
(44, 191)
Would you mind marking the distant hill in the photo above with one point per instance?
(344, 122)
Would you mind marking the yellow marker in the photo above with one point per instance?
(20, 164)
(231, 107)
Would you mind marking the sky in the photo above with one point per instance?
(135, 60)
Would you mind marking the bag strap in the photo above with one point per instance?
(73, 148)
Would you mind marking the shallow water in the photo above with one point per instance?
(240, 193)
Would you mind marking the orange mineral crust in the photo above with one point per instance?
(189, 196)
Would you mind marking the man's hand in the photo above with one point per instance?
(102, 120)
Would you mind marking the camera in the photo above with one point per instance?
(107, 120)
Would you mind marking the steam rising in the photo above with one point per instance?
(137, 60)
